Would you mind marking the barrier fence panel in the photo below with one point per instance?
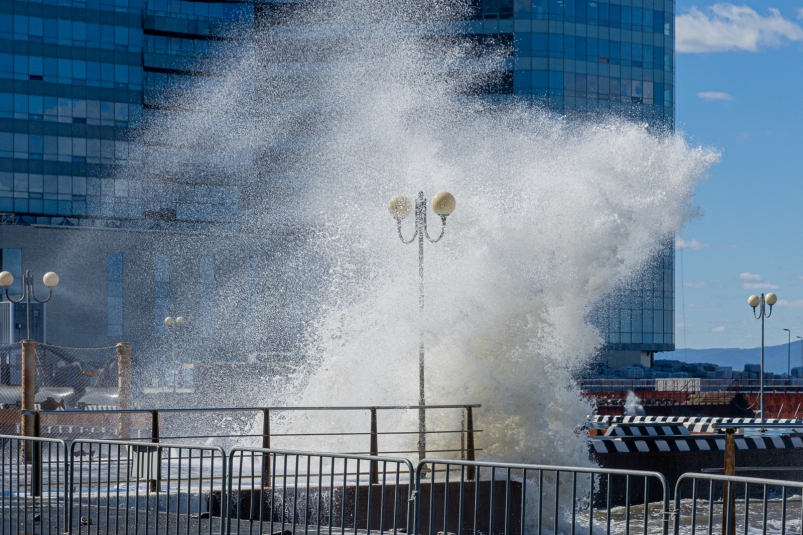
(33, 485)
(142, 488)
(276, 490)
(731, 505)
(465, 497)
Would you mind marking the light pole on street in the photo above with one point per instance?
(801, 350)
(789, 354)
(443, 204)
(760, 302)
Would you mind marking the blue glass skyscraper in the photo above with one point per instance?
(77, 79)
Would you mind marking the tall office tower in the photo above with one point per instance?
(79, 78)
(76, 79)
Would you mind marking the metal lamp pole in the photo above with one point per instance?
(399, 207)
(756, 301)
(51, 280)
(789, 355)
(801, 350)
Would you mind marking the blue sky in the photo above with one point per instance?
(739, 72)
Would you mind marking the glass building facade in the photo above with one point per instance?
(77, 78)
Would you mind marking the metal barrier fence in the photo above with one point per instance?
(33, 485)
(141, 488)
(513, 499)
(318, 492)
(729, 505)
(97, 487)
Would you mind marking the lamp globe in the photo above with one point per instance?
(443, 203)
(753, 301)
(50, 279)
(770, 299)
(6, 279)
(400, 206)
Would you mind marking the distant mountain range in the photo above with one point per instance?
(775, 357)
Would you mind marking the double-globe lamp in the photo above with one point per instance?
(50, 279)
(443, 204)
(760, 302)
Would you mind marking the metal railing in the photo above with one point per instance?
(513, 499)
(274, 490)
(105, 487)
(157, 419)
(131, 487)
(33, 485)
(731, 504)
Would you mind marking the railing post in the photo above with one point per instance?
(155, 440)
(728, 491)
(469, 442)
(28, 389)
(36, 465)
(266, 446)
(124, 399)
(374, 448)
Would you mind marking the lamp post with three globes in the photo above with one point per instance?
(51, 280)
(443, 204)
(760, 302)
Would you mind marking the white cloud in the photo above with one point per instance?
(759, 286)
(783, 303)
(696, 284)
(800, 12)
(749, 277)
(714, 95)
(723, 27)
(720, 329)
(692, 245)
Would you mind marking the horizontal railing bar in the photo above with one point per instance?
(273, 435)
(254, 409)
(545, 467)
(756, 469)
(738, 479)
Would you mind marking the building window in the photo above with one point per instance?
(161, 293)
(207, 308)
(114, 294)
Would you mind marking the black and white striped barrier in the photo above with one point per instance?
(669, 443)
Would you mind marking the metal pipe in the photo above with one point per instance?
(36, 465)
(421, 223)
(470, 470)
(761, 379)
(265, 446)
(155, 439)
(374, 449)
(28, 390)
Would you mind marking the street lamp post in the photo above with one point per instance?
(399, 207)
(789, 355)
(801, 350)
(51, 280)
(756, 301)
